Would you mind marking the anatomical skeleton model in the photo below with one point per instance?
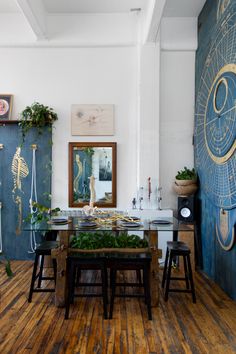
(19, 170)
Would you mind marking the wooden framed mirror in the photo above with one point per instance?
(92, 159)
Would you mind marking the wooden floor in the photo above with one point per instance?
(178, 326)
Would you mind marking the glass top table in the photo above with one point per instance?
(78, 224)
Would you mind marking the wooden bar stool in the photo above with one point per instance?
(43, 249)
(130, 261)
(85, 261)
(178, 249)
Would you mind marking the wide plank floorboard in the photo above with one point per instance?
(178, 326)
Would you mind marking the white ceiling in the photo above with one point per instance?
(183, 8)
(93, 6)
(113, 20)
(173, 8)
(8, 6)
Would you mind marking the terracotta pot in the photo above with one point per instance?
(185, 182)
(184, 190)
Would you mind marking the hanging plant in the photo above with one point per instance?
(37, 115)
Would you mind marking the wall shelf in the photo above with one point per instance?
(8, 121)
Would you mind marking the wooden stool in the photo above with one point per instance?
(43, 249)
(129, 261)
(85, 261)
(177, 249)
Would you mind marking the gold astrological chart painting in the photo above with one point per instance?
(215, 122)
(225, 229)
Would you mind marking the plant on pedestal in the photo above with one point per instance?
(185, 182)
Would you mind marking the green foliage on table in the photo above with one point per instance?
(41, 213)
(186, 173)
(106, 239)
(37, 115)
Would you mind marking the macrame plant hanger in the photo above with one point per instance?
(33, 197)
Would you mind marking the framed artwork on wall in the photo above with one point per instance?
(5, 106)
(92, 119)
(97, 160)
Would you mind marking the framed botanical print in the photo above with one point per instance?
(92, 119)
(97, 160)
(5, 106)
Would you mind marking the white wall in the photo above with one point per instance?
(148, 127)
(177, 95)
(177, 118)
(132, 78)
(61, 77)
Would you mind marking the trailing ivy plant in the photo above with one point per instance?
(37, 115)
(41, 213)
(186, 174)
(106, 239)
(7, 265)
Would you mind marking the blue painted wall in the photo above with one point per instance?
(18, 246)
(216, 49)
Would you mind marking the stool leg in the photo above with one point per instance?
(113, 289)
(138, 275)
(191, 279)
(168, 277)
(33, 277)
(78, 275)
(111, 276)
(74, 270)
(165, 268)
(186, 272)
(106, 278)
(54, 263)
(70, 277)
(104, 290)
(146, 284)
(41, 271)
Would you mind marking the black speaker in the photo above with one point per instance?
(186, 209)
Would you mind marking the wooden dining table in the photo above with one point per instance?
(146, 228)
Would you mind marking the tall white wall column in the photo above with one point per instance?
(148, 128)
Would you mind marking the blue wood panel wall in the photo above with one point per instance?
(18, 246)
(216, 19)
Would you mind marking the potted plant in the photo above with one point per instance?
(37, 115)
(186, 182)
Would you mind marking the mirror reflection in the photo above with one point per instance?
(92, 174)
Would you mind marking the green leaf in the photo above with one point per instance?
(8, 269)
